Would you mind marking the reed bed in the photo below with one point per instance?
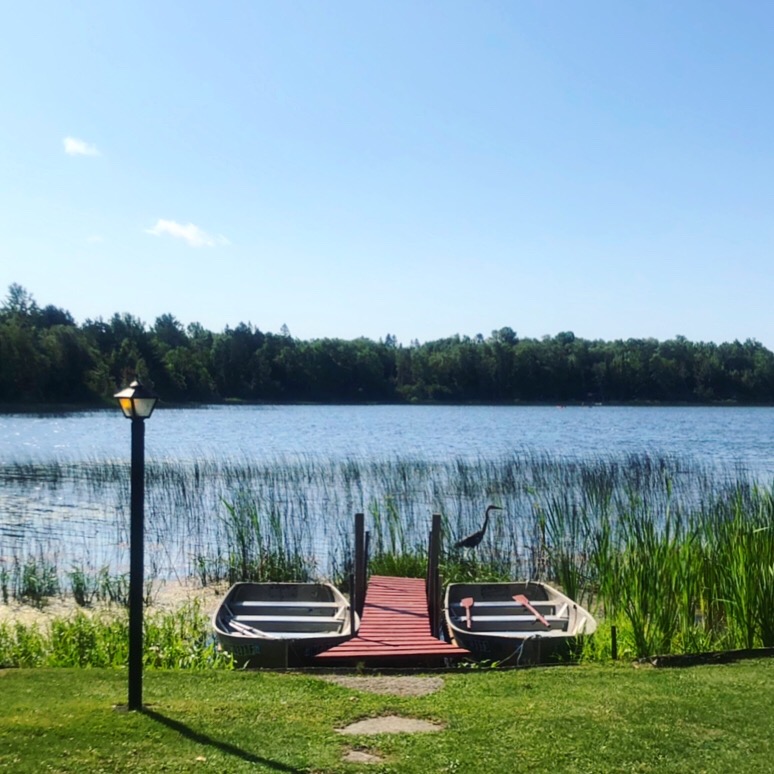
(678, 556)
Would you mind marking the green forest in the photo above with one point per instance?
(47, 358)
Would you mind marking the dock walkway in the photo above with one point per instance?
(394, 630)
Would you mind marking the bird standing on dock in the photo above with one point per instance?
(471, 541)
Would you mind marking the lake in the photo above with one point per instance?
(714, 435)
(64, 478)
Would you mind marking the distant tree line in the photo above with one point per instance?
(45, 357)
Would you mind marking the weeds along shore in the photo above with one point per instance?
(679, 557)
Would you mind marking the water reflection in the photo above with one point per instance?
(64, 479)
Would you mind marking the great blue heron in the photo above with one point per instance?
(471, 541)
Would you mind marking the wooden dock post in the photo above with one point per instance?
(353, 605)
(433, 576)
(359, 589)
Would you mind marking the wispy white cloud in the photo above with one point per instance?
(94, 239)
(192, 234)
(75, 147)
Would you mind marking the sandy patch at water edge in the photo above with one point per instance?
(168, 596)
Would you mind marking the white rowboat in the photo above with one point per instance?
(515, 623)
(281, 624)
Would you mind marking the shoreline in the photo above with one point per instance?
(168, 597)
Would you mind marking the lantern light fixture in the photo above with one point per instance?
(136, 401)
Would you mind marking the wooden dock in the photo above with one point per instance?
(394, 630)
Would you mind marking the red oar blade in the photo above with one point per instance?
(467, 603)
(520, 599)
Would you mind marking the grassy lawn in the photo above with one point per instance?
(585, 719)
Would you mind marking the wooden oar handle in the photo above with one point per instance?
(467, 603)
(522, 600)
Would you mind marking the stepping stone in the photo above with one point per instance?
(398, 685)
(391, 724)
(359, 756)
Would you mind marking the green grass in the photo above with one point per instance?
(180, 639)
(580, 719)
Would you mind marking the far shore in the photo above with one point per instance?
(54, 409)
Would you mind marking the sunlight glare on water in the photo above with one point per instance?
(724, 436)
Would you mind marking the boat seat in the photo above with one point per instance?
(254, 620)
(514, 623)
(297, 635)
(541, 603)
(542, 632)
(255, 603)
(285, 608)
(291, 623)
(508, 606)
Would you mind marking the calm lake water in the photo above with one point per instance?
(74, 517)
(715, 436)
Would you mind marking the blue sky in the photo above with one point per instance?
(415, 168)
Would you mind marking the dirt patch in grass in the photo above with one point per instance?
(391, 724)
(394, 685)
(360, 756)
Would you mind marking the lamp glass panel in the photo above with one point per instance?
(143, 407)
(127, 407)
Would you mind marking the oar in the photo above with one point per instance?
(467, 603)
(243, 628)
(520, 599)
(238, 625)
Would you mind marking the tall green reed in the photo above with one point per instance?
(259, 546)
(689, 581)
(397, 548)
(678, 556)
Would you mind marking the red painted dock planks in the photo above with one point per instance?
(394, 627)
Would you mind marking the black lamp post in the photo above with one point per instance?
(137, 403)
